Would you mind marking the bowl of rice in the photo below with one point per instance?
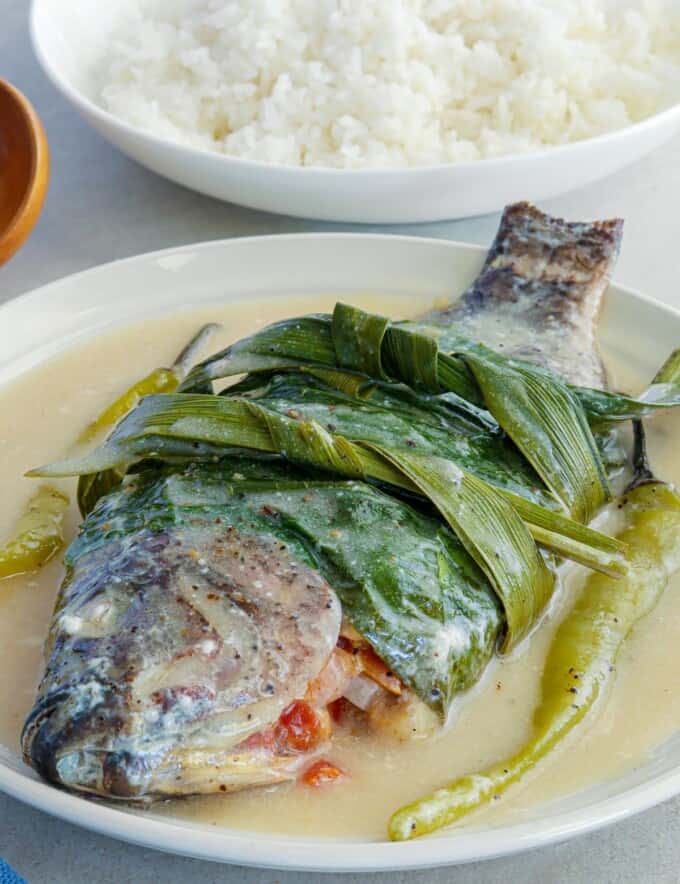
(378, 111)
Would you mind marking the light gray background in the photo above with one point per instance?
(101, 206)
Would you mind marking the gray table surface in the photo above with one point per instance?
(100, 207)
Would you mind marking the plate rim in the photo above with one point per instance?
(323, 854)
(206, 244)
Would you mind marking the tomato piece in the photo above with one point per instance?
(322, 773)
(260, 740)
(339, 709)
(299, 728)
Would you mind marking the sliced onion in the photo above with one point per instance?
(361, 691)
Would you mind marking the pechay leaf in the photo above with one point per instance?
(195, 427)
(493, 534)
(571, 539)
(92, 486)
(397, 417)
(385, 416)
(308, 443)
(603, 406)
(368, 343)
(358, 340)
(225, 425)
(535, 409)
(539, 413)
(663, 392)
(404, 580)
(308, 341)
(547, 423)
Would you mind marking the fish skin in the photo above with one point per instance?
(164, 657)
(544, 278)
(539, 293)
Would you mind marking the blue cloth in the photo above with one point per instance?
(8, 875)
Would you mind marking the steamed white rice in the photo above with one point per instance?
(369, 83)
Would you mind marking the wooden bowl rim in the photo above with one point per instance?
(34, 195)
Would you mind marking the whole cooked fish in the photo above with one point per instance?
(212, 612)
(197, 608)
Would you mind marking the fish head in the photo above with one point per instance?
(168, 651)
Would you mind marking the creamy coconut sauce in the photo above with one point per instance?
(44, 411)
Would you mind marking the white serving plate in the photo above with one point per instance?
(50, 319)
(69, 37)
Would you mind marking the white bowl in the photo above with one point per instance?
(35, 326)
(69, 37)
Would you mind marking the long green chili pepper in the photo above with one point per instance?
(38, 533)
(582, 654)
(162, 380)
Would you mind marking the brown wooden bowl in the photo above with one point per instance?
(24, 169)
